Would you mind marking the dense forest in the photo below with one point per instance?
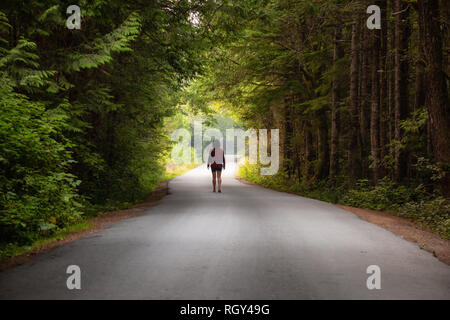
(82, 111)
(362, 113)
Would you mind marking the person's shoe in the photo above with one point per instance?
(220, 191)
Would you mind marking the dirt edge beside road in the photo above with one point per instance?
(407, 230)
(101, 222)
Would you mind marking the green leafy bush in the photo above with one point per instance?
(434, 214)
(82, 113)
(282, 182)
(384, 196)
(37, 194)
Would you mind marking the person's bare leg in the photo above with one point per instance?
(214, 180)
(219, 180)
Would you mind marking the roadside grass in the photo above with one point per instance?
(10, 250)
(429, 211)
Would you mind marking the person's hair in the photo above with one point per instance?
(216, 144)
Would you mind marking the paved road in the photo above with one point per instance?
(246, 243)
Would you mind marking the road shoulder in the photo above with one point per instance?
(401, 227)
(407, 230)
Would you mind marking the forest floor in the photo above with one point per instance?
(404, 228)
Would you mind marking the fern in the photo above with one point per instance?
(118, 40)
(48, 20)
(21, 65)
(4, 30)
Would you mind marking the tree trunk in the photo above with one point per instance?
(383, 88)
(375, 103)
(436, 99)
(288, 133)
(363, 93)
(308, 151)
(402, 31)
(364, 100)
(390, 83)
(338, 53)
(354, 154)
(419, 97)
(322, 147)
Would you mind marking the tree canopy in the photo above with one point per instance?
(83, 120)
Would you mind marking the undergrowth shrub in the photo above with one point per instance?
(37, 194)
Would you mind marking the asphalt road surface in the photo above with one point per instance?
(246, 243)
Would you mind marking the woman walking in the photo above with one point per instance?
(216, 161)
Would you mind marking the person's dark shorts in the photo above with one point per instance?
(215, 168)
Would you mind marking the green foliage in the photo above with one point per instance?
(386, 195)
(82, 123)
(434, 214)
(101, 49)
(82, 111)
(12, 249)
(282, 182)
(38, 194)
